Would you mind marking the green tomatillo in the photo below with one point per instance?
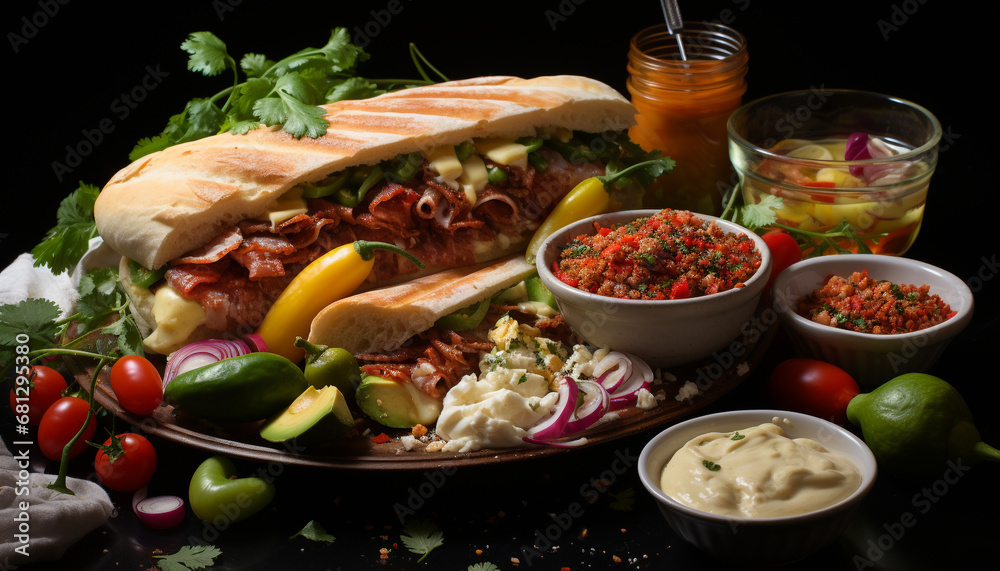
(217, 496)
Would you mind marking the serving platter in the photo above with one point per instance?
(714, 376)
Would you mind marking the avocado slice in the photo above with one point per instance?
(396, 405)
(314, 417)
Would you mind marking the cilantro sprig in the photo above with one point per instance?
(69, 239)
(189, 558)
(421, 537)
(287, 92)
(763, 215)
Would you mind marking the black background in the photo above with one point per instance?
(73, 69)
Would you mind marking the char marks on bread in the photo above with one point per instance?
(171, 202)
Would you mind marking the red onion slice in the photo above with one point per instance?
(159, 512)
(641, 378)
(612, 370)
(558, 444)
(596, 403)
(201, 353)
(554, 425)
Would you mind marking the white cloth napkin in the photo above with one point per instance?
(51, 521)
(54, 521)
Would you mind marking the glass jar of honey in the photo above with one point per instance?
(683, 106)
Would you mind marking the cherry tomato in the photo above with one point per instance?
(132, 468)
(812, 387)
(60, 423)
(784, 252)
(137, 384)
(46, 388)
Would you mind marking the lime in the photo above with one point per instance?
(915, 423)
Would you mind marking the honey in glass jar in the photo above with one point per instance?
(683, 106)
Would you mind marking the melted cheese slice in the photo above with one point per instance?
(504, 152)
(473, 178)
(176, 319)
(443, 161)
(287, 206)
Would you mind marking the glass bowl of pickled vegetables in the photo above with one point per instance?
(849, 164)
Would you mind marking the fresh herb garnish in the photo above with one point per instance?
(314, 531)
(711, 465)
(764, 215)
(69, 239)
(484, 566)
(287, 92)
(523, 379)
(623, 501)
(421, 537)
(189, 558)
(738, 436)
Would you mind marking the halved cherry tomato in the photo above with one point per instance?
(813, 387)
(46, 387)
(784, 252)
(60, 423)
(128, 469)
(137, 384)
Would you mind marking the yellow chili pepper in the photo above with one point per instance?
(589, 198)
(330, 277)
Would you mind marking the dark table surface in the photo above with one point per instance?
(584, 509)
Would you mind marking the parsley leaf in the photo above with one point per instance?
(314, 531)
(68, 241)
(34, 317)
(712, 466)
(189, 558)
(421, 537)
(485, 566)
(761, 214)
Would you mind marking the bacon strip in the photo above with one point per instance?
(214, 250)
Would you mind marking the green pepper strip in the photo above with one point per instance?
(531, 144)
(572, 153)
(465, 319)
(407, 167)
(366, 250)
(327, 189)
(143, 277)
(538, 161)
(495, 175)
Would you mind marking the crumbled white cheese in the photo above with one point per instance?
(689, 390)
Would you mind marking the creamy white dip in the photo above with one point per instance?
(757, 472)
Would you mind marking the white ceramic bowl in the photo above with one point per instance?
(663, 333)
(870, 358)
(757, 541)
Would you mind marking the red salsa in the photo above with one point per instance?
(865, 304)
(672, 254)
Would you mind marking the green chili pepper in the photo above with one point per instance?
(143, 277)
(465, 319)
(352, 198)
(465, 150)
(495, 175)
(330, 366)
(335, 184)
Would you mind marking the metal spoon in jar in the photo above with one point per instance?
(675, 24)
